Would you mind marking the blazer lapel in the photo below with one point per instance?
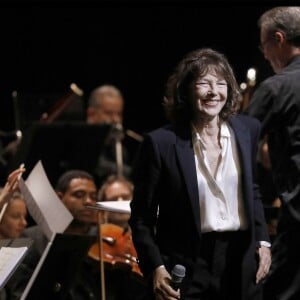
(244, 147)
(242, 138)
(185, 154)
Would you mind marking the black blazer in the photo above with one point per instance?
(165, 212)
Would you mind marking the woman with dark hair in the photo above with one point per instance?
(196, 201)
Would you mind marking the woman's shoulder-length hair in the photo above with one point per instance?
(196, 64)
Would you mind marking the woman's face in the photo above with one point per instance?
(14, 219)
(209, 95)
(118, 191)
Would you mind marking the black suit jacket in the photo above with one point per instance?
(276, 103)
(165, 211)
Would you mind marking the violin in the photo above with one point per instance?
(117, 247)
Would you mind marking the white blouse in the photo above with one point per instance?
(221, 203)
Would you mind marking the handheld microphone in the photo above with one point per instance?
(177, 275)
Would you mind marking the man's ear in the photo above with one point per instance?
(89, 112)
(280, 36)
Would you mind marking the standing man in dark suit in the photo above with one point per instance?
(276, 103)
(196, 201)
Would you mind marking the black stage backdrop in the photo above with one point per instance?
(47, 45)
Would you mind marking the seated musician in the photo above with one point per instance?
(76, 189)
(116, 188)
(121, 283)
(106, 106)
(13, 212)
(13, 218)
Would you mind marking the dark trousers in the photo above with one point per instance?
(217, 273)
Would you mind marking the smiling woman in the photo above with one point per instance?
(197, 171)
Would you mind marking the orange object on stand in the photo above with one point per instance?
(117, 249)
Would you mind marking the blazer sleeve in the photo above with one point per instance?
(144, 209)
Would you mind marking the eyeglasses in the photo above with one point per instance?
(261, 47)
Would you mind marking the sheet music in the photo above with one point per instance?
(43, 204)
(9, 260)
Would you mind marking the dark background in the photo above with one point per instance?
(47, 45)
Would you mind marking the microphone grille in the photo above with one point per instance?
(178, 272)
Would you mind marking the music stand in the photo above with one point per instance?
(61, 146)
(58, 270)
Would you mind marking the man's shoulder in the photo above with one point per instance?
(288, 76)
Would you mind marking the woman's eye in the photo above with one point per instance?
(202, 83)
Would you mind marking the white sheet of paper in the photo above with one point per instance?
(43, 204)
(9, 259)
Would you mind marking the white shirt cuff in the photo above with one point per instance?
(265, 244)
